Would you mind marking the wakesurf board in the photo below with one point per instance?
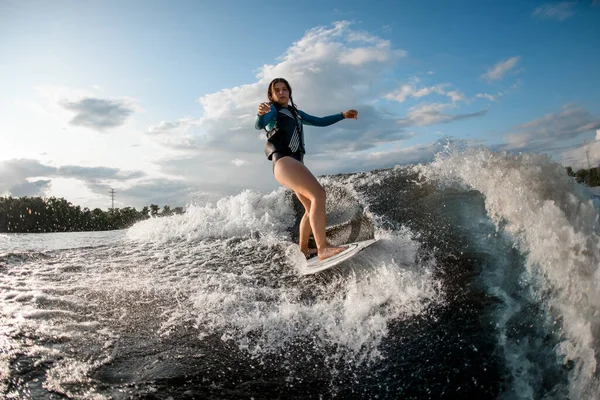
(315, 265)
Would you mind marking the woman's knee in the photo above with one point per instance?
(305, 201)
(317, 194)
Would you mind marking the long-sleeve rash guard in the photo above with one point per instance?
(289, 133)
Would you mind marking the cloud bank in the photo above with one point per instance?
(569, 123)
(27, 177)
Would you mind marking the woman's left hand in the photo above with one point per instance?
(350, 114)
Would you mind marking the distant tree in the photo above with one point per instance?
(580, 175)
(178, 210)
(37, 214)
(589, 177)
(593, 177)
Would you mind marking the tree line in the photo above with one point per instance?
(37, 214)
(589, 177)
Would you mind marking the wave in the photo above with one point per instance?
(232, 216)
(554, 224)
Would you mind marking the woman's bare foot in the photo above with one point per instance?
(308, 253)
(330, 251)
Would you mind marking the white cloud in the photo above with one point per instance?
(486, 96)
(363, 56)
(82, 107)
(20, 171)
(410, 90)
(98, 114)
(569, 123)
(323, 68)
(433, 113)
(371, 49)
(383, 157)
(22, 177)
(556, 11)
(400, 155)
(500, 69)
(177, 135)
(455, 95)
(51, 97)
(33, 188)
(172, 192)
(238, 162)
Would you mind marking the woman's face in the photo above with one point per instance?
(280, 93)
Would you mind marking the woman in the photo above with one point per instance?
(285, 147)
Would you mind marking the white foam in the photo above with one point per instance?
(555, 225)
(44, 316)
(231, 216)
(350, 313)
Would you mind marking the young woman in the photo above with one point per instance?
(285, 147)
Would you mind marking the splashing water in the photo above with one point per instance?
(555, 225)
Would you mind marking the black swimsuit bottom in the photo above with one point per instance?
(280, 154)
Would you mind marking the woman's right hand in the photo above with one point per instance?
(264, 108)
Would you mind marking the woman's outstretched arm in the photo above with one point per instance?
(308, 119)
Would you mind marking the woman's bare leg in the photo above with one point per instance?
(293, 174)
(305, 229)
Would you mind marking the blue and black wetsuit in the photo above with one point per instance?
(285, 136)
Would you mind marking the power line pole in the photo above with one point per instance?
(587, 153)
(112, 198)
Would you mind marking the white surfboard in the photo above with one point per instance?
(314, 265)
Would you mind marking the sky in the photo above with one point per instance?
(157, 99)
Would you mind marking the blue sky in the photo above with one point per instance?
(157, 99)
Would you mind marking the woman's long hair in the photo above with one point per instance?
(270, 93)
